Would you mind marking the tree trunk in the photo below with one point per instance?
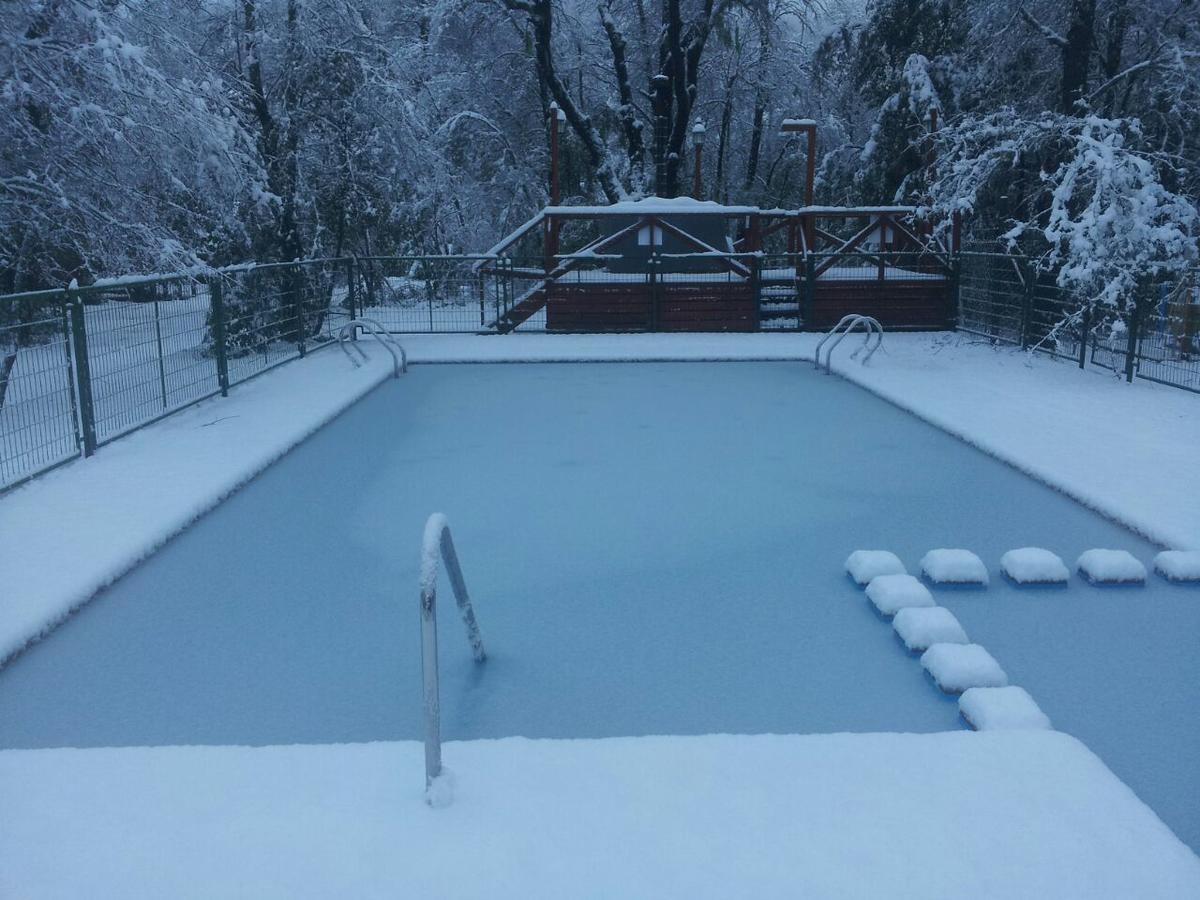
(1076, 54)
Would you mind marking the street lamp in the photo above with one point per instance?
(698, 144)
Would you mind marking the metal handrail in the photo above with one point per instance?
(438, 546)
(846, 325)
(372, 327)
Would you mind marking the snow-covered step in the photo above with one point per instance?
(863, 565)
(892, 593)
(1006, 708)
(956, 667)
(954, 566)
(1101, 566)
(1034, 565)
(1178, 565)
(922, 627)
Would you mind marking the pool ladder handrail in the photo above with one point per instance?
(372, 327)
(847, 324)
(437, 546)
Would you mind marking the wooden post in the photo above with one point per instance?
(808, 127)
(556, 116)
(931, 164)
(698, 146)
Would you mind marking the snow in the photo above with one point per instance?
(892, 593)
(1178, 565)
(863, 565)
(953, 566)
(956, 667)
(1034, 565)
(1111, 567)
(1001, 709)
(988, 815)
(922, 627)
(115, 508)
(654, 206)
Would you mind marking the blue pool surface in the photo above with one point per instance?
(652, 549)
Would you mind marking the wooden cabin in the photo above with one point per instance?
(684, 264)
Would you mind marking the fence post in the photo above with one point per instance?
(162, 363)
(1085, 329)
(1027, 304)
(350, 287)
(83, 372)
(810, 289)
(298, 303)
(652, 278)
(756, 289)
(1133, 327)
(955, 298)
(217, 301)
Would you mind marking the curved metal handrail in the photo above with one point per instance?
(839, 331)
(437, 546)
(372, 327)
(877, 330)
(832, 331)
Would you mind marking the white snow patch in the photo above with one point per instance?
(892, 593)
(1001, 708)
(1111, 567)
(1178, 565)
(922, 627)
(987, 815)
(946, 566)
(863, 565)
(1034, 565)
(956, 667)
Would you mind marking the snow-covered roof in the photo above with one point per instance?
(650, 206)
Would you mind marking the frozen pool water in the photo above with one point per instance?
(652, 548)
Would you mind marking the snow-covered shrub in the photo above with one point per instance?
(1093, 208)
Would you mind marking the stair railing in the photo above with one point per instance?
(372, 327)
(438, 547)
(838, 333)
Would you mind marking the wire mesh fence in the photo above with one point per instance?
(81, 367)
(1156, 337)
(427, 293)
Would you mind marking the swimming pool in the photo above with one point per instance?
(652, 549)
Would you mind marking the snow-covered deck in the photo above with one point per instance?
(950, 815)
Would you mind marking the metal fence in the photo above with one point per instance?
(81, 367)
(1006, 299)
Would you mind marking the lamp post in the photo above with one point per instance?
(698, 145)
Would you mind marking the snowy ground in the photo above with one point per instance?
(952, 815)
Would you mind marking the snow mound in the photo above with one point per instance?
(1111, 567)
(1034, 565)
(954, 567)
(956, 667)
(863, 565)
(1001, 709)
(921, 628)
(1178, 565)
(892, 593)
(439, 793)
